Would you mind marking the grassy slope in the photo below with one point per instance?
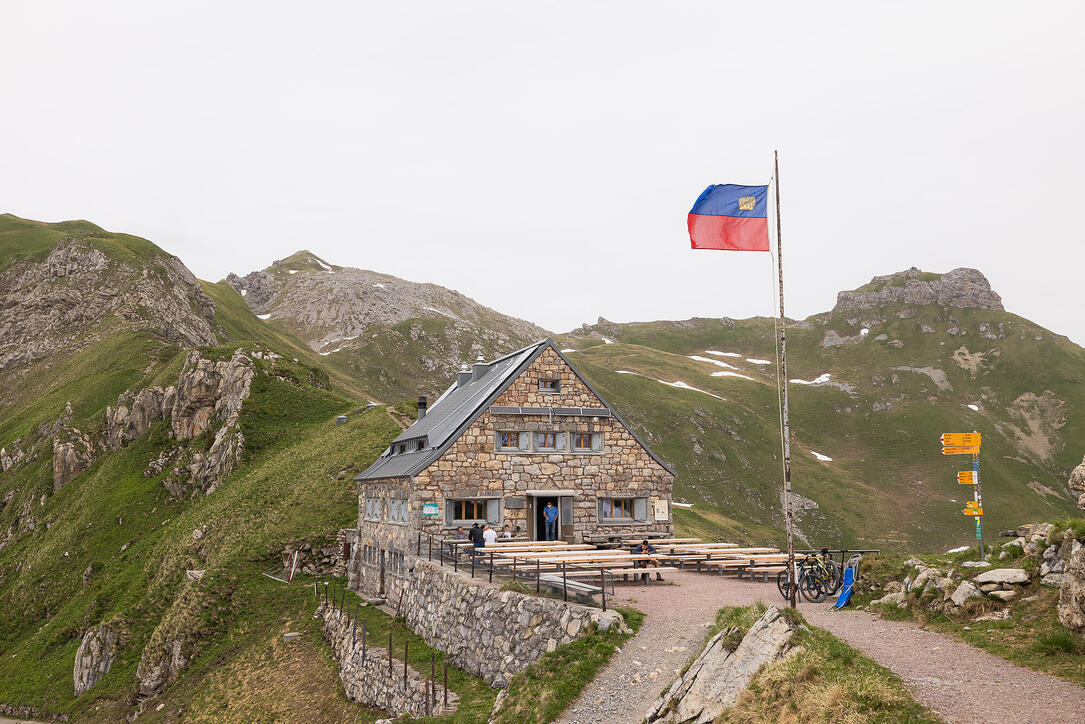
(887, 485)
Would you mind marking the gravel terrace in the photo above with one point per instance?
(959, 682)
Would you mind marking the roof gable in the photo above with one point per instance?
(460, 405)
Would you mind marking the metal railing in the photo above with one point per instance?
(483, 563)
(335, 597)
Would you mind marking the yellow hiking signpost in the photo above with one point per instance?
(968, 443)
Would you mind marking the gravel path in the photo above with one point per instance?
(959, 682)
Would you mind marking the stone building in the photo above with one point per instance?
(506, 438)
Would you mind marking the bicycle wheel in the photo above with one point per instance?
(812, 587)
(836, 577)
(783, 580)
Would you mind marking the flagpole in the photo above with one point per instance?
(782, 381)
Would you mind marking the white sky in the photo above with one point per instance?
(541, 157)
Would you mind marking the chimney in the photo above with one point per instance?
(479, 369)
(463, 376)
(421, 406)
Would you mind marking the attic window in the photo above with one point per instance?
(549, 385)
(420, 445)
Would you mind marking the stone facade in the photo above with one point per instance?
(617, 466)
(372, 677)
(487, 632)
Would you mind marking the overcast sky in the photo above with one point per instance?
(541, 157)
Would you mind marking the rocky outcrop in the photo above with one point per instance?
(51, 305)
(73, 453)
(1072, 590)
(8, 461)
(719, 675)
(1076, 483)
(209, 390)
(95, 657)
(207, 393)
(172, 642)
(259, 289)
(964, 288)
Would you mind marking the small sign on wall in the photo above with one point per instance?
(431, 509)
(660, 509)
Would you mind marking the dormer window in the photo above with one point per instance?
(549, 385)
(421, 444)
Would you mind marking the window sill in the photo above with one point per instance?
(621, 521)
(397, 522)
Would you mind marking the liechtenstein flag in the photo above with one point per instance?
(730, 217)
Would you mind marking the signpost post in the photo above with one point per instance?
(968, 443)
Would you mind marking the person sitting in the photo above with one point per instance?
(506, 533)
(646, 548)
(460, 534)
(489, 535)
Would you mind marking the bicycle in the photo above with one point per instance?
(819, 577)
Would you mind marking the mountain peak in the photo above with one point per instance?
(299, 261)
(963, 287)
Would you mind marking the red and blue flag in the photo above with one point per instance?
(731, 217)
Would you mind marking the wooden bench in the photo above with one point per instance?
(583, 591)
(763, 571)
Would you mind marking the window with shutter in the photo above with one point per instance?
(640, 509)
(546, 441)
(597, 441)
(559, 440)
(582, 441)
(507, 440)
(525, 441)
(493, 510)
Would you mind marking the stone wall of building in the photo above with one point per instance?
(472, 467)
(372, 677)
(483, 630)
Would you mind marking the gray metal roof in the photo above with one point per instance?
(456, 409)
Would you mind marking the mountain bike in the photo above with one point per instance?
(819, 577)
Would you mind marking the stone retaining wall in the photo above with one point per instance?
(377, 679)
(487, 632)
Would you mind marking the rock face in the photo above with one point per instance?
(965, 288)
(53, 304)
(1072, 592)
(95, 657)
(72, 454)
(718, 676)
(207, 393)
(1077, 483)
(372, 317)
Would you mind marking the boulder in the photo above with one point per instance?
(964, 591)
(1072, 593)
(897, 598)
(975, 564)
(1003, 575)
(1077, 483)
(95, 657)
(718, 676)
(1053, 580)
(1002, 595)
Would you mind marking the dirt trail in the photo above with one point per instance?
(959, 682)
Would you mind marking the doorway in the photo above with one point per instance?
(540, 522)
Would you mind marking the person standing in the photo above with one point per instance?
(489, 535)
(475, 535)
(550, 515)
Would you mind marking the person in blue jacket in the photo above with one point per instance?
(550, 515)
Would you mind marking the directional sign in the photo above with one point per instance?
(966, 477)
(973, 511)
(959, 450)
(960, 439)
(971, 504)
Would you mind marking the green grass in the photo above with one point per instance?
(546, 688)
(824, 680)
(295, 483)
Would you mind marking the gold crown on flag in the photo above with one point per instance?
(747, 203)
